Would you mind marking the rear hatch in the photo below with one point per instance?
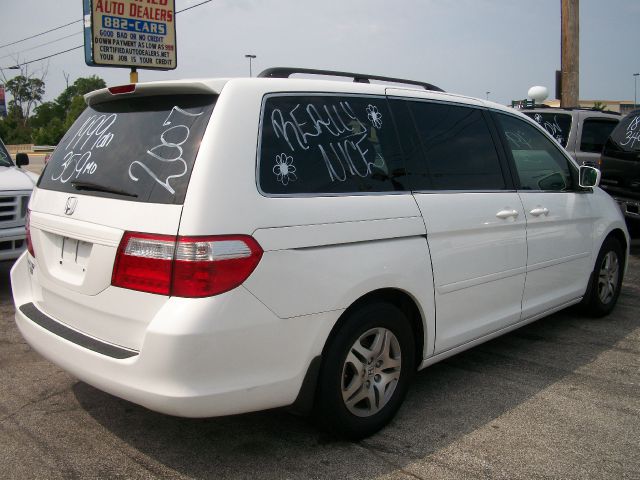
(124, 165)
(621, 159)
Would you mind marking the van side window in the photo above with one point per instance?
(538, 162)
(317, 144)
(459, 152)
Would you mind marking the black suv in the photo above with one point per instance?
(621, 165)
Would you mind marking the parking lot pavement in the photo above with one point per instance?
(559, 398)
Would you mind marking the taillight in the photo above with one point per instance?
(206, 266)
(144, 262)
(186, 266)
(27, 228)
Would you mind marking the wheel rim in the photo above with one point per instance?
(371, 372)
(608, 277)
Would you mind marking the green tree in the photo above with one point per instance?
(13, 128)
(26, 93)
(75, 109)
(52, 119)
(599, 106)
(80, 87)
(50, 134)
(45, 114)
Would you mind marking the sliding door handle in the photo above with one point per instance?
(536, 212)
(504, 214)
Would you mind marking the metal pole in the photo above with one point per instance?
(635, 90)
(250, 57)
(487, 95)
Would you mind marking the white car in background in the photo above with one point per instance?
(16, 185)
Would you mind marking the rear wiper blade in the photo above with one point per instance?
(94, 187)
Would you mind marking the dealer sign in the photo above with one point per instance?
(130, 33)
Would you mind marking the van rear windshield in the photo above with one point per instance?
(557, 124)
(624, 141)
(140, 149)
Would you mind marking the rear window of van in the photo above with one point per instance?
(557, 124)
(140, 149)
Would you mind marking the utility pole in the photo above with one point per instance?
(570, 53)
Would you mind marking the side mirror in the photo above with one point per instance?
(589, 176)
(22, 159)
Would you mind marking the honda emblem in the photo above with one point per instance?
(70, 207)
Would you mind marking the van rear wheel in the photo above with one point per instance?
(366, 371)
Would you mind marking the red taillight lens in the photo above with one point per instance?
(144, 263)
(27, 228)
(206, 266)
(188, 267)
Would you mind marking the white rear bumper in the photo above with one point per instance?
(199, 358)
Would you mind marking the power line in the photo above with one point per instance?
(15, 67)
(80, 20)
(40, 45)
(193, 6)
(41, 33)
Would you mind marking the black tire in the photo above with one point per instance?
(379, 377)
(606, 280)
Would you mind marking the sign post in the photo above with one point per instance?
(130, 34)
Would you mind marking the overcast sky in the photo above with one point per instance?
(463, 46)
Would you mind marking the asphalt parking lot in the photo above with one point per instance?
(559, 398)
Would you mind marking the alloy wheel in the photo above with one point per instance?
(371, 372)
(608, 277)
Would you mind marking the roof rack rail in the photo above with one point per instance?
(286, 72)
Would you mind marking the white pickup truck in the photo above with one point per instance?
(16, 185)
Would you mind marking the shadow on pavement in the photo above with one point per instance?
(446, 402)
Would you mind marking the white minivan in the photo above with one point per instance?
(212, 247)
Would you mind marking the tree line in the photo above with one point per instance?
(29, 120)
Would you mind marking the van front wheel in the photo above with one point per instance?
(606, 280)
(367, 370)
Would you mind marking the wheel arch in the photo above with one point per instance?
(305, 401)
(398, 298)
(620, 236)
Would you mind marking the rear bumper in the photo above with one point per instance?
(199, 358)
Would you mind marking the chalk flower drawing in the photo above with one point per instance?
(284, 169)
(375, 117)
